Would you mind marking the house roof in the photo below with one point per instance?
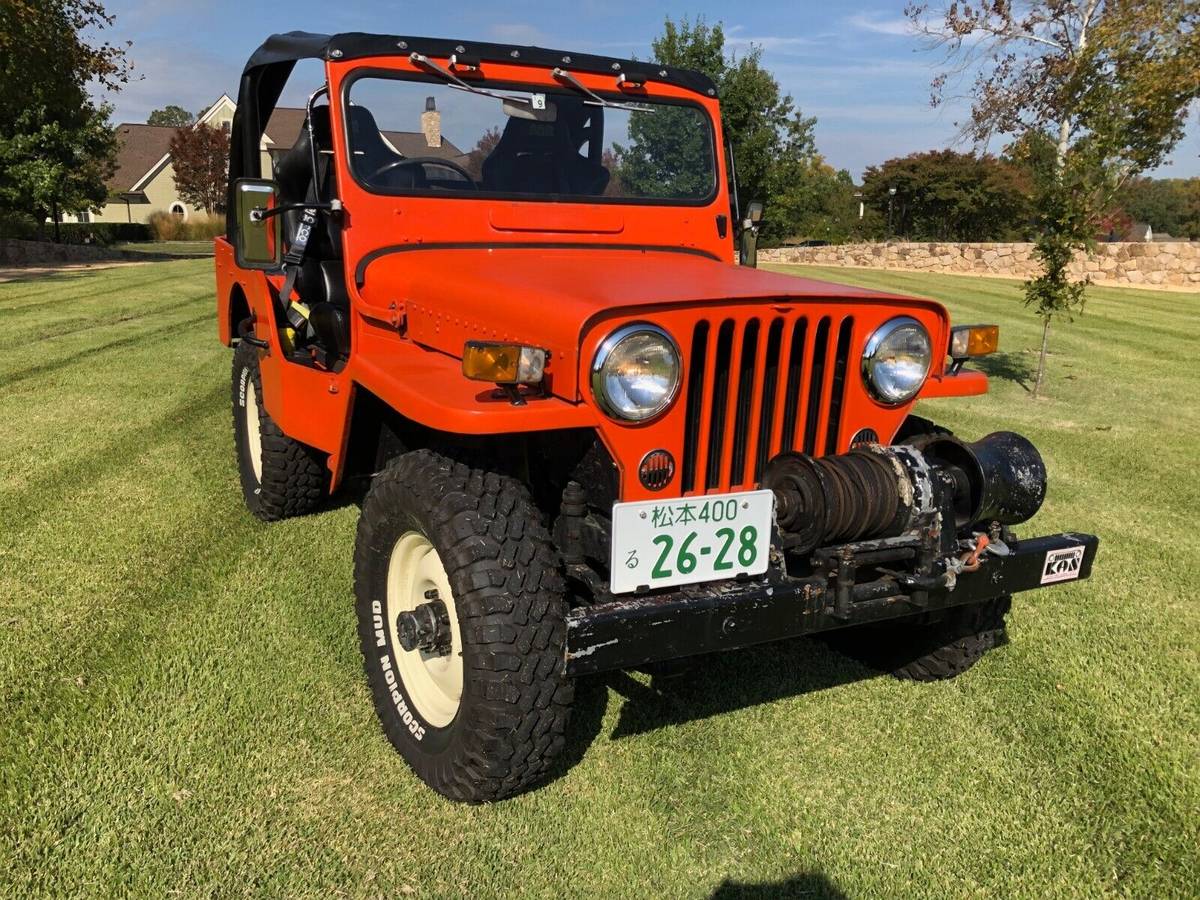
(283, 128)
(144, 149)
(139, 149)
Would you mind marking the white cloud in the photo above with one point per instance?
(737, 39)
(770, 43)
(520, 33)
(877, 24)
(177, 74)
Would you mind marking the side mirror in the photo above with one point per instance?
(748, 246)
(257, 244)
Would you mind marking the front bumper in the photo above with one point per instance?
(624, 633)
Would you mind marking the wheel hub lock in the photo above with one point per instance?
(425, 628)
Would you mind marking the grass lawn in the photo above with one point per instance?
(183, 710)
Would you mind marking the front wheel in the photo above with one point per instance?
(462, 623)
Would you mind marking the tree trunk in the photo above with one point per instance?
(57, 235)
(1041, 370)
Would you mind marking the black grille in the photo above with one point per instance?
(759, 386)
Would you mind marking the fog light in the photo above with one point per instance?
(503, 363)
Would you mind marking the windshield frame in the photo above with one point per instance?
(360, 72)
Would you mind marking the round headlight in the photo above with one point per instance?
(897, 359)
(635, 374)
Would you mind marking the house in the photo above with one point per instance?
(144, 180)
(1125, 229)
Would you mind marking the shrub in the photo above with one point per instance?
(167, 227)
(101, 234)
(17, 225)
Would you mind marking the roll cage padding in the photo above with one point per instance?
(294, 175)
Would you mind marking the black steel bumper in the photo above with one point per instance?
(625, 633)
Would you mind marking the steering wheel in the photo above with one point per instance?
(424, 161)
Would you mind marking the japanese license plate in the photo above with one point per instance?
(658, 543)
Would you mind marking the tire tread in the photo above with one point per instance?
(508, 589)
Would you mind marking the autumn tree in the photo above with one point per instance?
(56, 147)
(1102, 85)
(482, 150)
(200, 156)
(172, 116)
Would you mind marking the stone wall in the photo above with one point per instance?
(14, 252)
(1165, 265)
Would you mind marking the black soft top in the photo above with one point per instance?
(296, 45)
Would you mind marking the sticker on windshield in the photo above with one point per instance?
(1062, 565)
(538, 101)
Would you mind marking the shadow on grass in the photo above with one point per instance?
(722, 682)
(1015, 367)
(699, 688)
(806, 884)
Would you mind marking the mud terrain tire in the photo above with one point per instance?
(281, 477)
(503, 573)
(928, 651)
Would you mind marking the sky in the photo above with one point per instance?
(851, 65)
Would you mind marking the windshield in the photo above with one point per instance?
(421, 136)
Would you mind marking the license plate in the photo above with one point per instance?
(659, 543)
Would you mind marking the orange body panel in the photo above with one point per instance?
(425, 274)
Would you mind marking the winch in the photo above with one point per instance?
(878, 492)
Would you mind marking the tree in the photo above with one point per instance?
(769, 135)
(1169, 205)
(669, 154)
(56, 147)
(943, 195)
(173, 116)
(1105, 83)
(483, 149)
(200, 156)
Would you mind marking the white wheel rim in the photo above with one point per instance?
(433, 682)
(253, 433)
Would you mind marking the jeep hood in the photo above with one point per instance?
(551, 297)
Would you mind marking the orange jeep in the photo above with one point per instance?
(498, 284)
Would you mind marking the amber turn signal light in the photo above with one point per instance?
(974, 340)
(503, 363)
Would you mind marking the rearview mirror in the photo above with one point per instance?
(748, 242)
(257, 244)
(538, 109)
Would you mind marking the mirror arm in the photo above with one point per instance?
(261, 214)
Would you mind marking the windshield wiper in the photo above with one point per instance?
(420, 59)
(597, 100)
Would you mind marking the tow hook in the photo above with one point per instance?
(426, 628)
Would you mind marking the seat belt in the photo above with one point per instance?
(296, 311)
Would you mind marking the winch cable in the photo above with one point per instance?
(835, 499)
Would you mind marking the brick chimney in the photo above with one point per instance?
(431, 123)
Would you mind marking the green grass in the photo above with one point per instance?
(182, 708)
